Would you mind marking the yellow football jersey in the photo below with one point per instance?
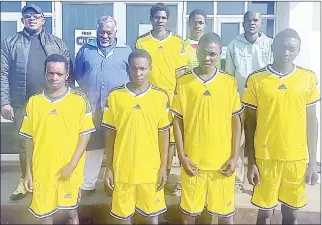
(190, 47)
(281, 103)
(206, 108)
(168, 56)
(55, 127)
(137, 120)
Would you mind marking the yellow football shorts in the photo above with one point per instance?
(210, 189)
(140, 197)
(282, 181)
(47, 200)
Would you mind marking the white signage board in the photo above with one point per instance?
(83, 37)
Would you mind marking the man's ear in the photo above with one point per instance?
(22, 21)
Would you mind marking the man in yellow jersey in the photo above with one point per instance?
(281, 131)
(137, 140)
(197, 26)
(207, 129)
(57, 124)
(169, 61)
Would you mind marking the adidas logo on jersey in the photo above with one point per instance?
(53, 112)
(137, 106)
(206, 93)
(282, 86)
(68, 195)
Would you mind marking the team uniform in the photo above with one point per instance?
(206, 108)
(168, 56)
(280, 139)
(190, 47)
(55, 127)
(137, 120)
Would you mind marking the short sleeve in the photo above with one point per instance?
(86, 118)
(249, 98)
(313, 93)
(237, 106)
(182, 59)
(165, 115)
(26, 129)
(177, 104)
(108, 115)
(138, 44)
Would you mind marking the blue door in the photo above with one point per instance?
(81, 17)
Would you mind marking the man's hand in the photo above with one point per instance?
(162, 178)
(229, 167)
(312, 175)
(109, 178)
(253, 175)
(28, 181)
(188, 166)
(7, 112)
(65, 172)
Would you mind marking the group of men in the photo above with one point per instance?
(129, 100)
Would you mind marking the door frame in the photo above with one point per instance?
(227, 19)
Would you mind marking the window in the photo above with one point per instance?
(230, 8)
(45, 6)
(265, 8)
(8, 28)
(49, 25)
(10, 6)
(229, 31)
(268, 27)
(207, 7)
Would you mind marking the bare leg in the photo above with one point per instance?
(73, 217)
(265, 216)
(152, 220)
(47, 220)
(117, 221)
(170, 157)
(188, 219)
(226, 220)
(290, 215)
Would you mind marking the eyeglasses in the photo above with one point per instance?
(35, 16)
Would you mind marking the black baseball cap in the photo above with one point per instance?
(34, 7)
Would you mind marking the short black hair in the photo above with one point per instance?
(250, 12)
(210, 38)
(197, 12)
(159, 7)
(57, 58)
(140, 53)
(288, 32)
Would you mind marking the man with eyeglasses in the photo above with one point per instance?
(22, 73)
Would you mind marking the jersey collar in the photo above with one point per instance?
(279, 75)
(203, 81)
(170, 33)
(138, 95)
(56, 100)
